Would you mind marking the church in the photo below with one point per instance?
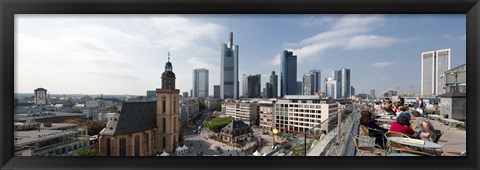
(145, 128)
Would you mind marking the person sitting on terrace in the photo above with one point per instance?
(400, 110)
(423, 126)
(389, 108)
(368, 121)
(402, 125)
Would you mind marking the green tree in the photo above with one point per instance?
(94, 127)
(76, 111)
(202, 106)
(216, 124)
(87, 152)
(218, 107)
(113, 109)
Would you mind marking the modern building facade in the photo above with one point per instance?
(433, 68)
(254, 86)
(245, 111)
(200, 83)
(245, 85)
(308, 84)
(229, 85)
(332, 88)
(288, 78)
(299, 88)
(345, 82)
(299, 113)
(185, 95)
(372, 94)
(352, 91)
(216, 91)
(267, 116)
(317, 80)
(456, 79)
(273, 85)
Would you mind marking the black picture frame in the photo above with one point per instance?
(8, 8)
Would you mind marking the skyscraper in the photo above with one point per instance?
(245, 85)
(331, 88)
(299, 88)
(352, 91)
(268, 90)
(185, 95)
(308, 84)
(288, 85)
(372, 94)
(317, 80)
(216, 91)
(274, 85)
(434, 65)
(200, 83)
(345, 82)
(254, 86)
(229, 70)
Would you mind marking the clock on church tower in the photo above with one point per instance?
(40, 96)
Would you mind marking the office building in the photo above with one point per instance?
(185, 95)
(254, 86)
(49, 139)
(245, 85)
(200, 83)
(308, 84)
(332, 88)
(342, 77)
(274, 85)
(433, 67)
(317, 80)
(151, 94)
(352, 91)
(245, 111)
(299, 88)
(299, 113)
(229, 70)
(216, 91)
(267, 91)
(288, 78)
(372, 94)
(456, 79)
(266, 113)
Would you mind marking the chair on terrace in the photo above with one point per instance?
(366, 133)
(394, 146)
(375, 150)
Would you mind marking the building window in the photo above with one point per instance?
(163, 106)
(136, 151)
(147, 142)
(163, 124)
(123, 144)
(154, 138)
(175, 124)
(108, 147)
(164, 142)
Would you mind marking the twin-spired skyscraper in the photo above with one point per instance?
(434, 65)
(229, 85)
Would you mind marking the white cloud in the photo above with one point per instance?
(113, 53)
(350, 32)
(381, 64)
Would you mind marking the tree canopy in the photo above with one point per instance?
(94, 127)
(217, 123)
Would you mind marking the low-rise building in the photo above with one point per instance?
(235, 132)
(267, 116)
(297, 113)
(51, 139)
(245, 111)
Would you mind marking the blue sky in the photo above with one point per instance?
(126, 54)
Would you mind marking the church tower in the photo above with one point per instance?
(168, 124)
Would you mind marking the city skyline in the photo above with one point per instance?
(124, 54)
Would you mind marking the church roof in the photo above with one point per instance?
(133, 117)
(236, 128)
